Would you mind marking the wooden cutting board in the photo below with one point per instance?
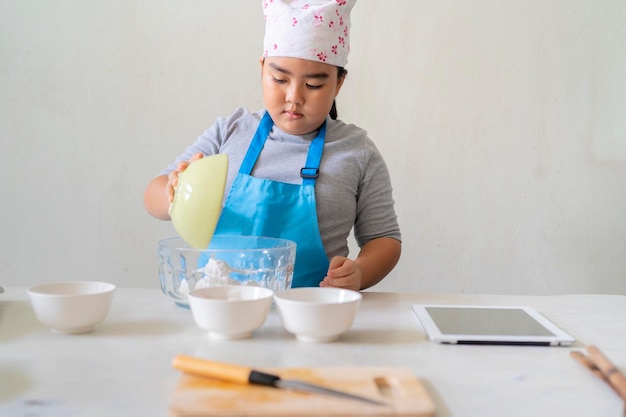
(206, 397)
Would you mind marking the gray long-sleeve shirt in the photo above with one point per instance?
(353, 188)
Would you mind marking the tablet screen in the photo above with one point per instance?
(486, 321)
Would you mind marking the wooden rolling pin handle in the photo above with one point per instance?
(218, 370)
(611, 373)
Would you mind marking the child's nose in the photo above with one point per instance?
(294, 94)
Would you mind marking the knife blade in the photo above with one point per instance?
(245, 375)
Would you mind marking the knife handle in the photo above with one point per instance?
(223, 371)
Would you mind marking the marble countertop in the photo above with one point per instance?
(124, 367)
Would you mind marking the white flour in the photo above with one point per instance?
(215, 273)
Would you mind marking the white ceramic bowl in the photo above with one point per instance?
(231, 311)
(317, 314)
(72, 307)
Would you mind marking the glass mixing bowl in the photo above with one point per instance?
(229, 260)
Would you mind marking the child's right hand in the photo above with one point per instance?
(172, 177)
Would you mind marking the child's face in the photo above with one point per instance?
(298, 93)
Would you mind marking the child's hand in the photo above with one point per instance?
(172, 177)
(343, 273)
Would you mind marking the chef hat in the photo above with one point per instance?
(317, 30)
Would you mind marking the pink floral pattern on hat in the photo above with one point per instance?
(317, 30)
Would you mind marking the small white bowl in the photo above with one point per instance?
(230, 311)
(317, 314)
(72, 307)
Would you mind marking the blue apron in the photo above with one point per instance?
(261, 207)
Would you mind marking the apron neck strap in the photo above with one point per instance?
(311, 169)
(254, 150)
(309, 173)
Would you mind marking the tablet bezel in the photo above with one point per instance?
(559, 338)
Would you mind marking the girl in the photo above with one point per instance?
(295, 171)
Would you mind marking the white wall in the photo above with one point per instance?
(503, 124)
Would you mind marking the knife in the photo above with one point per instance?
(244, 375)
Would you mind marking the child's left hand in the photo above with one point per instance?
(343, 273)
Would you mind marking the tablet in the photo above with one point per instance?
(470, 324)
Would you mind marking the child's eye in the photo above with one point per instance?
(279, 81)
(314, 87)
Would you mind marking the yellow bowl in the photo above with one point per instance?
(198, 198)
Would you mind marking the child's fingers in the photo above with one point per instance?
(335, 263)
(172, 180)
(173, 176)
(196, 156)
(182, 166)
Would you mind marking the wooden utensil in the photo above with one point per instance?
(600, 366)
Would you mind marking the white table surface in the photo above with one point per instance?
(124, 367)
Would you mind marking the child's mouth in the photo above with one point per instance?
(292, 114)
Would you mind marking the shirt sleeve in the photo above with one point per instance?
(376, 216)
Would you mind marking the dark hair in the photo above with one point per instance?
(341, 72)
